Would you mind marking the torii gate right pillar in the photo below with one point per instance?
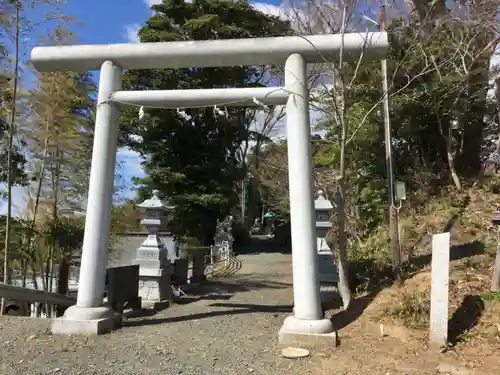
(308, 323)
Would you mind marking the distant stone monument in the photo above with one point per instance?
(153, 257)
(256, 226)
(224, 239)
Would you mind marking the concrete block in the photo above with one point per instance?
(86, 327)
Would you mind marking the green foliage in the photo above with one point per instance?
(126, 218)
(193, 162)
(18, 159)
(372, 203)
(64, 234)
(240, 232)
(490, 296)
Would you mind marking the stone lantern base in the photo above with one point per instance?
(328, 272)
(154, 288)
(328, 278)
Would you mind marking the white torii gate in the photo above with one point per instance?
(88, 316)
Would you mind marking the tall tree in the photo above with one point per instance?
(192, 158)
(10, 140)
(59, 136)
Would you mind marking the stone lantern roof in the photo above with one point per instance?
(321, 203)
(155, 203)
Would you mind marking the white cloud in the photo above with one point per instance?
(153, 2)
(132, 33)
(19, 203)
(271, 9)
(129, 163)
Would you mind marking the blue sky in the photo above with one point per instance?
(117, 21)
(110, 21)
(103, 22)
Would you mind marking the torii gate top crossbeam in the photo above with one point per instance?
(209, 53)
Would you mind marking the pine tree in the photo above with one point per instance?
(194, 162)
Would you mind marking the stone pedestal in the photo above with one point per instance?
(86, 320)
(154, 273)
(328, 272)
(154, 288)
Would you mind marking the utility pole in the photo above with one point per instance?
(393, 215)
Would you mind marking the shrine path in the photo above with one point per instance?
(230, 327)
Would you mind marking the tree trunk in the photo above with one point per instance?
(448, 139)
(24, 271)
(495, 280)
(453, 171)
(9, 153)
(33, 276)
(62, 281)
(343, 264)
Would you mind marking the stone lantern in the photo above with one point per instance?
(153, 256)
(328, 273)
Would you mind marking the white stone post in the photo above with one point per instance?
(308, 316)
(89, 315)
(440, 279)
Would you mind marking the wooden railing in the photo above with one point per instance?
(17, 293)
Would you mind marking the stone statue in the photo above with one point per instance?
(224, 238)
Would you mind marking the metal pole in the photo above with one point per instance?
(393, 217)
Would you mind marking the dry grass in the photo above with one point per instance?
(411, 309)
(474, 311)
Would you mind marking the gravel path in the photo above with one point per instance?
(231, 328)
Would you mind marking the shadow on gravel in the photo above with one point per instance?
(185, 300)
(235, 285)
(261, 245)
(213, 290)
(233, 309)
(231, 268)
